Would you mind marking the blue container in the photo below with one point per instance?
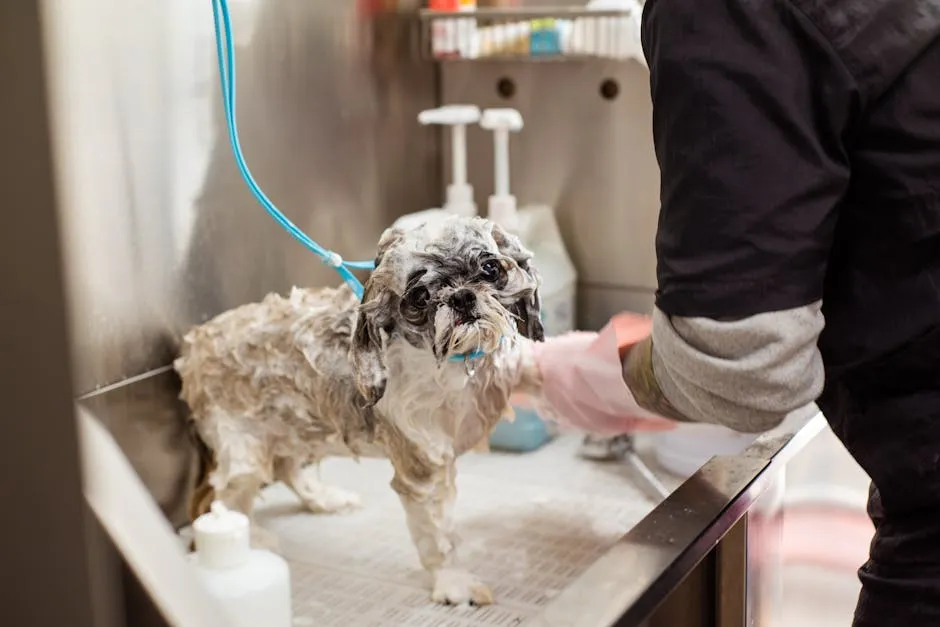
(526, 433)
(544, 39)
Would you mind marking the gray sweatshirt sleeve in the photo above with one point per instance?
(744, 374)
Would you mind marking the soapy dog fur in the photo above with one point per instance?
(279, 385)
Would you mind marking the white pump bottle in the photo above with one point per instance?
(536, 227)
(252, 586)
(459, 200)
(538, 230)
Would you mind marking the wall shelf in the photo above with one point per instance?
(531, 34)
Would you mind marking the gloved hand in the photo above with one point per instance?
(582, 380)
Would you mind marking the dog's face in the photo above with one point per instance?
(448, 287)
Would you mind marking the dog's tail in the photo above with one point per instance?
(200, 500)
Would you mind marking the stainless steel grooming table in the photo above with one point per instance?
(563, 541)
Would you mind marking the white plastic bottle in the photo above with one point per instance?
(251, 586)
(535, 225)
(686, 448)
(459, 193)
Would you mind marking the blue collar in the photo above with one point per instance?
(474, 354)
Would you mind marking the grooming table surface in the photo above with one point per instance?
(529, 523)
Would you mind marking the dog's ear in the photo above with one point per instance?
(367, 353)
(367, 349)
(529, 312)
(390, 237)
(524, 281)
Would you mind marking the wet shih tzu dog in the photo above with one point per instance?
(419, 372)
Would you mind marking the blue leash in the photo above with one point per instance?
(226, 53)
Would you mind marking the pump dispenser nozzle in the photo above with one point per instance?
(459, 192)
(502, 204)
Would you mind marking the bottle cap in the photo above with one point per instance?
(508, 119)
(451, 115)
(223, 537)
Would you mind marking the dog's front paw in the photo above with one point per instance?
(457, 587)
(329, 500)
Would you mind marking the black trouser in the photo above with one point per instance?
(889, 420)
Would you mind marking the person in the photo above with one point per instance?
(799, 149)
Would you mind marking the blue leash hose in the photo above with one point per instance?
(226, 53)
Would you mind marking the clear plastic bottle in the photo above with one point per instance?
(251, 586)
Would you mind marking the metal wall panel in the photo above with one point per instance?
(159, 230)
(54, 559)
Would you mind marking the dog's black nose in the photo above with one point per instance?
(463, 302)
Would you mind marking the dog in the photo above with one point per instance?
(419, 372)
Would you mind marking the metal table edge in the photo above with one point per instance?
(632, 579)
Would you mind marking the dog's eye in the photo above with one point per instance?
(490, 270)
(418, 297)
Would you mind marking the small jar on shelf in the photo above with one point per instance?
(451, 37)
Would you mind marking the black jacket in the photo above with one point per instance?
(800, 163)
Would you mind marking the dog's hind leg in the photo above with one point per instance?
(202, 495)
(318, 498)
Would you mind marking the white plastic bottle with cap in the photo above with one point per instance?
(535, 225)
(459, 199)
(251, 586)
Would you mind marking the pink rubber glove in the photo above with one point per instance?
(582, 379)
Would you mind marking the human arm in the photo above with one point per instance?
(576, 379)
(750, 109)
